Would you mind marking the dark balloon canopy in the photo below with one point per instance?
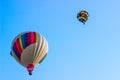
(82, 16)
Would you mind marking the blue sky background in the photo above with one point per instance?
(76, 51)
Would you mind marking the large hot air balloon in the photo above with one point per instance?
(29, 49)
(82, 16)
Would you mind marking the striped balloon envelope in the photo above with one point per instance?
(29, 49)
(82, 16)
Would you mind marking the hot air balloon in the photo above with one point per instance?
(82, 16)
(29, 49)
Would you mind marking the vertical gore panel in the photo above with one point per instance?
(14, 50)
(33, 37)
(23, 41)
(17, 46)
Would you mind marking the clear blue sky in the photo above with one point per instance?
(76, 51)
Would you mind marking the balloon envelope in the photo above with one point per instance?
(82, 16)
(29, 49)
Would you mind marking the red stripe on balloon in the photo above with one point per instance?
(18, 46)
(33, 37)
(29, 38)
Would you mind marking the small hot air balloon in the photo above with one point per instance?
(29, 49)
(82, 16)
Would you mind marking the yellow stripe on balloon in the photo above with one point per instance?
(21, 43)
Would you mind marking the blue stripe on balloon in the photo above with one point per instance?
(25, 40)
(22, 40)
(16, 53)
